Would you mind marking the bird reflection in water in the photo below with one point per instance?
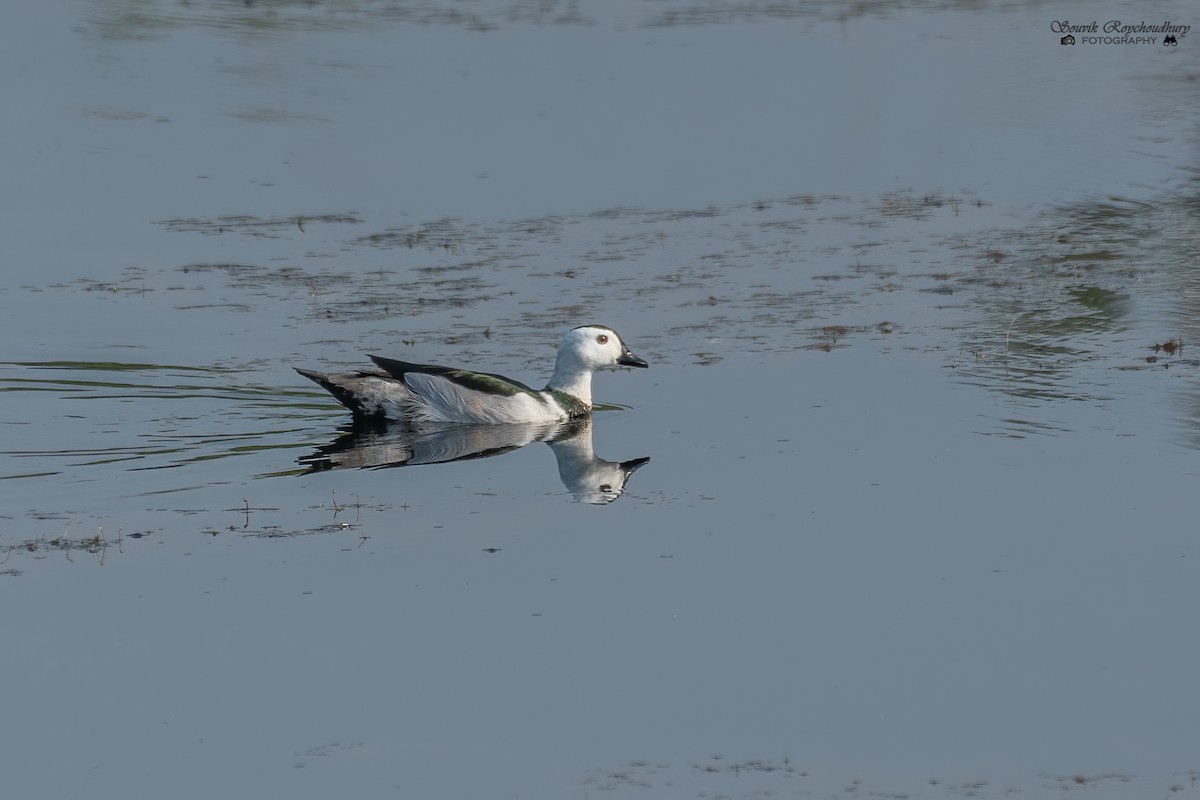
(589, 478)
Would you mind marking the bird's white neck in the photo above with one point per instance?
(572, 377)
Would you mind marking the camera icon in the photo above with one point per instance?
(1067, 40)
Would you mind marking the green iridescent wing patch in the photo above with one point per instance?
(485, 382)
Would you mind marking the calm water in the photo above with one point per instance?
(917, 288)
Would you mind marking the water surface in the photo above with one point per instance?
(916, 288)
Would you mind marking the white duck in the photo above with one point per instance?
(427, 393)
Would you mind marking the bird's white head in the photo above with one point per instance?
(596, 347)
(584, 350)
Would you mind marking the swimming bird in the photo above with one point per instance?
(427, 393)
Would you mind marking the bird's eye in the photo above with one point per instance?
(602, 339)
